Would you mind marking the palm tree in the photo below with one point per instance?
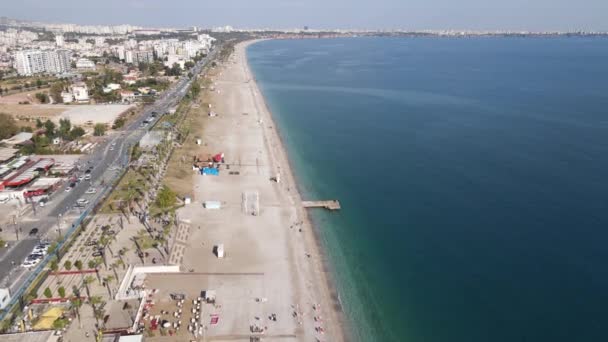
(96, 302)
(107, 281)
(132, 192)
(75, 305)
(120, 262)
(113, 267)
(105, 241)
(86, 281)
(121, 253)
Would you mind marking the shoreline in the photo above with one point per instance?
(323, 266)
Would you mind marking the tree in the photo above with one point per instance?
(54, 266)
(75, 305)
(166, 198)
(97, 304)
(61, 291)
(195, 89)
(42, 97)
(99, 129)
(60, 323)
(107, 280)
(118, 123)
(76, 132)
(78, 265)
(64, 128)
(55, 92)
(86, 281)
(8, 126)
(189, 64)
(67, 265)
(48, 293)
(39, 123)
(49, 127)
(92, 264)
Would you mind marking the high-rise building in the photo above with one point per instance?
(59, 40)
(129, 56)
(29, 62)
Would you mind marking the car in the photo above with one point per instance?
(90, 243)
(87, 171)
(91, 191)
(111, 148)
(29, 263)
(35, 256)
(40, 250)
(82, 201)
(33, 231)
(72, 185)
(81, 177)
(68, 189)
(97, 253)
(87, 177)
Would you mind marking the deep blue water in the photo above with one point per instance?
(472, 175)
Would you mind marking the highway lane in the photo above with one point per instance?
(107, 159)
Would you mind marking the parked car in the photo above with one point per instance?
(97, 253)
(33, 231)
(91, 243)
(87, 177)
(30, 263)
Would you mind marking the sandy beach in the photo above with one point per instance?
(272, 275)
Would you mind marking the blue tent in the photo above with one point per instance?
(210, 171)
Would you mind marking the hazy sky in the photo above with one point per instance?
(409, 14)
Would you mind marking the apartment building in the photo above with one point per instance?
(30, 62)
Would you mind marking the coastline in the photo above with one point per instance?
(274, 264)
(322, 268)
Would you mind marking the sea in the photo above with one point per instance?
(472, 174)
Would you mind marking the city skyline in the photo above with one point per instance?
(543, 15)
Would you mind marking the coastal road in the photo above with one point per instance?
(107, 160)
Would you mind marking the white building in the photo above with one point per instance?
(80, 92)
(67, 97)
(84, 63)
(59, 40)
(111, 87)
(129, 56)
(172, 59)
(120, 52)
(30, 62)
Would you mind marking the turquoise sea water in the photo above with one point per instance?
(472, 176)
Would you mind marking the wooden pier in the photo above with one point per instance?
(329, 205)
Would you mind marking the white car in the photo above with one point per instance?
(28, 263)
(82, 201)
(42, 251)
(91, 191)
(87, 177)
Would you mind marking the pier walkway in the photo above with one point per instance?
(330, 205)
